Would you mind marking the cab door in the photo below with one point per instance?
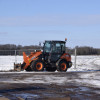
(57, 50)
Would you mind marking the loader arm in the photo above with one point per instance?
(30, 58)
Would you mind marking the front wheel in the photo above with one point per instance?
(38, 66)
(62, 66)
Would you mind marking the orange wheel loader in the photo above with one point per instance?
(52, 58)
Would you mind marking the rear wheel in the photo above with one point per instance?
(62, 66)
(38, 66)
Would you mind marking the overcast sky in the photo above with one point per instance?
(28, 22)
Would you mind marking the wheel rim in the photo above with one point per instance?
(63, 66)
(39, 66)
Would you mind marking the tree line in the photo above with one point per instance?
(12, 49)
(9, 49)
(18, 47)
(85, 50)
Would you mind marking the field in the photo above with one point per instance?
(80, 83)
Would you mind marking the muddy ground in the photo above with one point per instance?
(48, 86)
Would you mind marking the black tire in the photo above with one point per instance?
(37, 65)
(62, 66)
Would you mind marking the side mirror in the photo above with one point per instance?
(65, 39)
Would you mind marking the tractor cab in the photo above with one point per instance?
(53, 50)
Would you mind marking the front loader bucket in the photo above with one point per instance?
(17, 67)
(24, 65)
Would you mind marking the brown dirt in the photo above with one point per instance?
(43, 91)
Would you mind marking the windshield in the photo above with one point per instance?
(47, 46)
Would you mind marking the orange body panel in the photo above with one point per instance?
(66, 56)
(30, 58)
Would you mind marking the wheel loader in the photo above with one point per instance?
(52, 58)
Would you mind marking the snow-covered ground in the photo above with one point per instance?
(83, 63)
(7, 62)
